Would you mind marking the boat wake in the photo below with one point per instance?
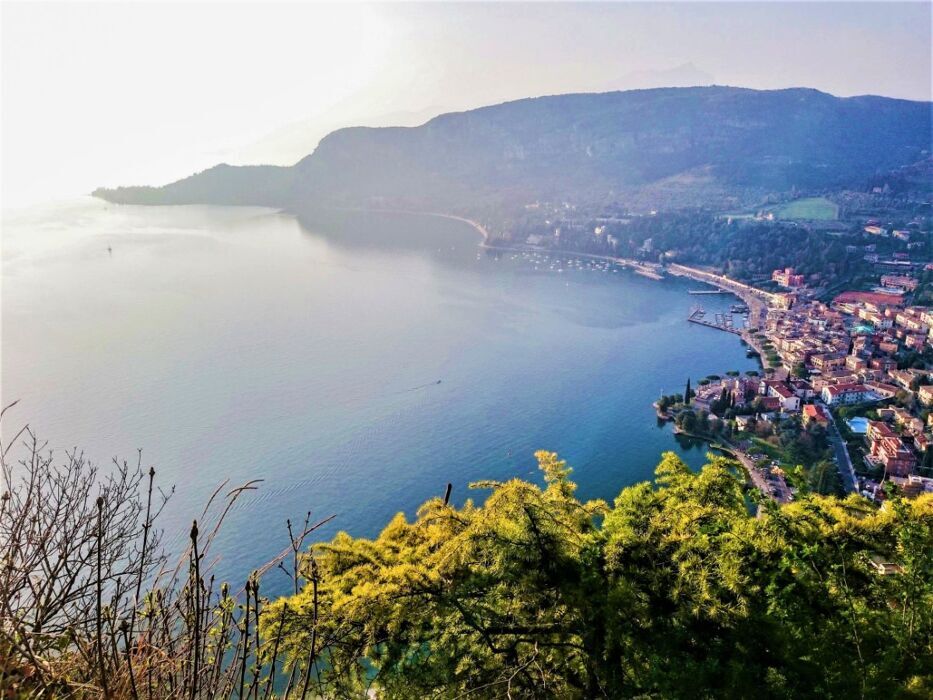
(420, 387)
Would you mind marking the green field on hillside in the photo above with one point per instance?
(818, 208)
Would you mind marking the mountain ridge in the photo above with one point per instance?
(591, 146)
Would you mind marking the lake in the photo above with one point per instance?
(355, 362)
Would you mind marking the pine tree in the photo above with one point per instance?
(460, 598)
(687, 392)
(928, 461)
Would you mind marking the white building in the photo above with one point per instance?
(840, 394)
(790, 402)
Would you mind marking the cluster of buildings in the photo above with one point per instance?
(902, 283)
(788, 277)
(875, 228)
(849, 351)
(889, 449)
(769, 397)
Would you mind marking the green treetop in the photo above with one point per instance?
(674, 591)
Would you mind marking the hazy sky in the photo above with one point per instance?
(135, 93)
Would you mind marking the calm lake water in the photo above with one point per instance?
(238, 343)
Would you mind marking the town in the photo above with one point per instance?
(836, 302)
(846, 387)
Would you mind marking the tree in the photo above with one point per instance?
(91, 607)
(721, 404)
(823, 478)
(687, 420)
(687, 392)
(497, 596)
(673, 589)
(927, 463)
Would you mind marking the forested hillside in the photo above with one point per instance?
(674, 590)
(705, 145)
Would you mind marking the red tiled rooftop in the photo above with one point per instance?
(844, 388)
(870, 298)
(815, 412)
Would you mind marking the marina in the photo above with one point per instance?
(721, 321)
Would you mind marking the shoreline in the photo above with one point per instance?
(751, 296)
(484, 234)
(757, 301)
(644, 269)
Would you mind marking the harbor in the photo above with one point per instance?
(721, 321)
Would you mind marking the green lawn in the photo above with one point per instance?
(809, 208)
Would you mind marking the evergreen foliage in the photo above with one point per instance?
(674, 591)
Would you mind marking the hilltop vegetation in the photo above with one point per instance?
(672, 591)
(671, 146)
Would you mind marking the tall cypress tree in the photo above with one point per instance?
(723, 403)
(928, 461)
(687, 392)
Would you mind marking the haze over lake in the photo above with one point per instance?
(238, 343)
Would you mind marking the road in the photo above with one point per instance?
(753, 297)
(843, 461)
(775, 489)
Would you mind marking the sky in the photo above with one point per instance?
(145, 93)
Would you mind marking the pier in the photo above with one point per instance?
(709, 291)
(722, 322)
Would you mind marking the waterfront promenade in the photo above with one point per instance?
(757, 300)
(749, 294)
